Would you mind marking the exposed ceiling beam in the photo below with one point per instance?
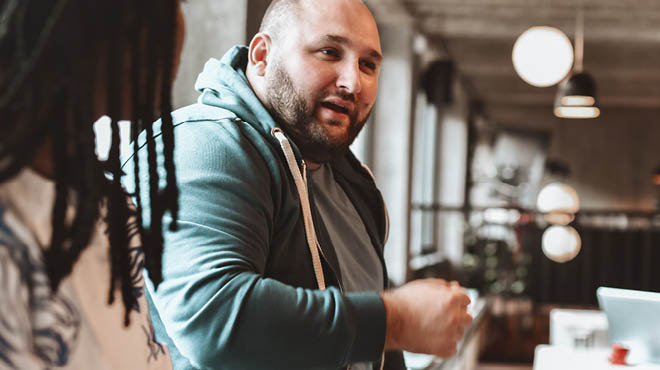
(614, 14)
(542, 118)
(540, 4)
(489, 28)
(546, 101)
(477, 70)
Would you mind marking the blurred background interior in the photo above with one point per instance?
(462, 142)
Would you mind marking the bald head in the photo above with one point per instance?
(281, 13)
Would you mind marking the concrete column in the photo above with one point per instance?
(391, 136)
(451, 169)
(212, 27)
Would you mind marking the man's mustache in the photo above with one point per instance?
(342, 95)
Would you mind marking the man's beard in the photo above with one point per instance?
(290, 109)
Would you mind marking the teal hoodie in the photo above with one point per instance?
(239, 288)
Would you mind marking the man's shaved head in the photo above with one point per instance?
(279, 14)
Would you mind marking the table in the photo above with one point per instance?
(548, 357)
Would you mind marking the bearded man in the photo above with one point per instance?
(278, 261)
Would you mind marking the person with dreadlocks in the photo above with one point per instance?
(72, 244)
(278, 260)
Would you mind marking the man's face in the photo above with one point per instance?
(322, 77)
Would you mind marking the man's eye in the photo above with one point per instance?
(369, 65)
(330, 52)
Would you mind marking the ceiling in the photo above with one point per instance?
(622, 50)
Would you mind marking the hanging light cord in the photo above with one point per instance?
(579, 38)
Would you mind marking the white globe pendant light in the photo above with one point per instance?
(559, 202)
(542, 56)
(561, 243)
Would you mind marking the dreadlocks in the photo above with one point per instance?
(51, 54)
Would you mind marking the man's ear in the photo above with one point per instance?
(260, 46)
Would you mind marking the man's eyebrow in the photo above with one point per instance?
(344, 41)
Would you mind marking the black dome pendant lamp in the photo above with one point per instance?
(576, 96)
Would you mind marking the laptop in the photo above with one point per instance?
(634, 321)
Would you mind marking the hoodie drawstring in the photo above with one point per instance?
(303, 195)
(301, 185)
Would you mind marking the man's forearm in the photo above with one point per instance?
(272, 325)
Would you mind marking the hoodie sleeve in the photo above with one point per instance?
(216, 305)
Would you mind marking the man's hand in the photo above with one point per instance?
(426, 316)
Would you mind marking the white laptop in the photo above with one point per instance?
(634, 321)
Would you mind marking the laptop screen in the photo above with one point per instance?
(634, 321)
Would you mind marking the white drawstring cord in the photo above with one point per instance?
(301, 185)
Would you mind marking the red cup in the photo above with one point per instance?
(619, 353)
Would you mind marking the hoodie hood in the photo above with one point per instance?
(223, 84)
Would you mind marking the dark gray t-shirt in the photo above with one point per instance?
(360, 266)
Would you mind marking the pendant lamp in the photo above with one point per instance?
(561, 243)
(542, 56)
(576, 96)
(559, 202)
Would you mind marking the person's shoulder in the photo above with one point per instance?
(20, 267)
(196, 127)
(13, 255)
(208, 128)
(201, 125)
(202, 112)
(13, 249)
(191, 117)
(15, 309)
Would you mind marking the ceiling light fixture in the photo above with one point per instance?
(559, 202)
(561, 243)
(542, 56)
(576, 96)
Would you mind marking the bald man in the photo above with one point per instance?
(278, 261)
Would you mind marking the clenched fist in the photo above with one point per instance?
(426, 316)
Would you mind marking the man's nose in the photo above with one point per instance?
(349, 77)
